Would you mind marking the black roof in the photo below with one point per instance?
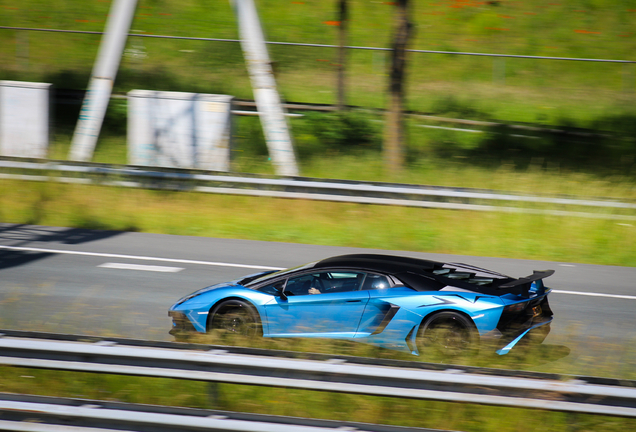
(427, 275)
(384, 263)
(419, 274)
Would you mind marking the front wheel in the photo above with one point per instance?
(236, 317)
(447, 334)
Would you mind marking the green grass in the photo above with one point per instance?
(459, 232)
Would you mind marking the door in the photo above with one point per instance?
(319, 304)
(380, 312)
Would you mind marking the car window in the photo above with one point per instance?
(373, 282)
(325, 282)
(271, 288)
(277, 274)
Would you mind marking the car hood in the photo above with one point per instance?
(232, 283)
(204, 290)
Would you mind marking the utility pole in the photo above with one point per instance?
(394, 136)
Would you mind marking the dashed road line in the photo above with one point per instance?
(123, 266)
(592, 294)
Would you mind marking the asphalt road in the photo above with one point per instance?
(113, 283)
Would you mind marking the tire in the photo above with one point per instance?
(237, 317)
(447, 334)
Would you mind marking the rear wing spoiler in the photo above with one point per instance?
(521, 286)
(499, 285)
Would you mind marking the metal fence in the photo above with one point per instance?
(330, 46)
(498, 65)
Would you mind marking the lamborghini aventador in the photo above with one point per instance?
(394, 302)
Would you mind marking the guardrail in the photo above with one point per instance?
(45, 414)
(414, 380)
(311, 189)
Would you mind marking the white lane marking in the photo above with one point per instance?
(567, 265)
(122, 266)
(142, 258)
(591, 294)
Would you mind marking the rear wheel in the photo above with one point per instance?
(236, 317)
(447, 334)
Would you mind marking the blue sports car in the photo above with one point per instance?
(395, 302)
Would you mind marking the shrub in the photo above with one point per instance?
(336, 132)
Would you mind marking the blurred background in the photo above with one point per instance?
(580, 107)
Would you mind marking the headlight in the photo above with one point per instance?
(186, 298)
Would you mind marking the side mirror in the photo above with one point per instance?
(280, 291)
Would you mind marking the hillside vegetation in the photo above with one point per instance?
(543, 91)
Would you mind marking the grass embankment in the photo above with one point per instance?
(528, 236)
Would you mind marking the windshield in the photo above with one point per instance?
(278, 273)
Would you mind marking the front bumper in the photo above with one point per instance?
(181, 325)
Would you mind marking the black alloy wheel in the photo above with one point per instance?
(447, 334)
(236, 317)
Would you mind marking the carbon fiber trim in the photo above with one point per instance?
(387, 319)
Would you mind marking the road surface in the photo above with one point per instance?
(112, 283)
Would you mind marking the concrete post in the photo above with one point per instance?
(103, 76)
(266, 96)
